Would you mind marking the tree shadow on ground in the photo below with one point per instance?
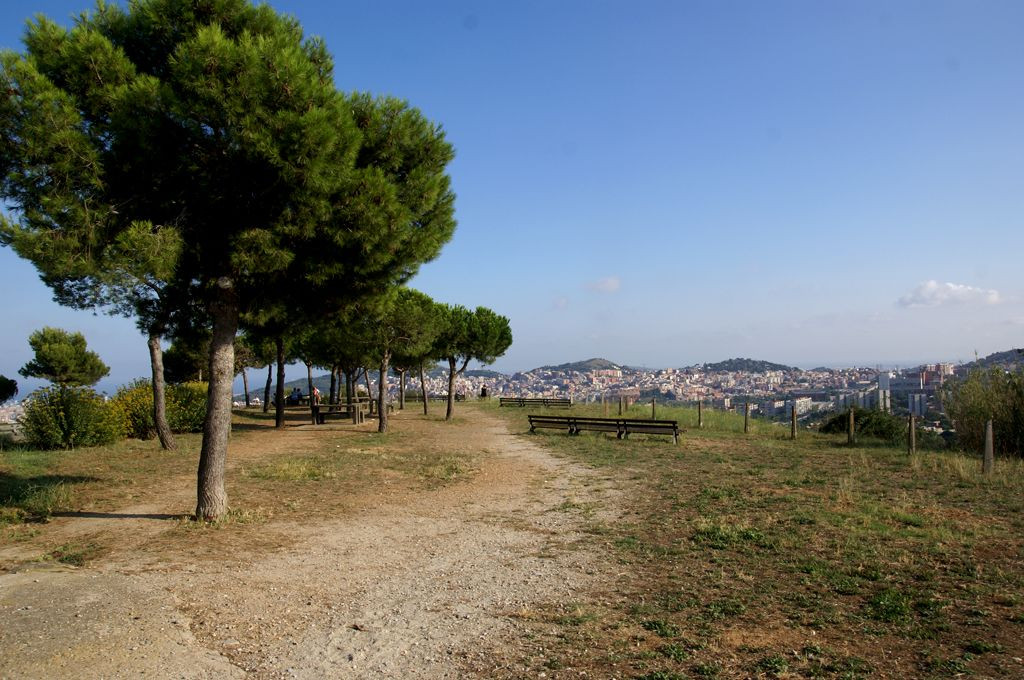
(14, 490)
(121, 515)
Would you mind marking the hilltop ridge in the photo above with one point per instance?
(595, 364)
(1010, 359)
(747, 366)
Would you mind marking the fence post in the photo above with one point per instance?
(746, 417)
(913, 435)
(989, 461)
(604, 405)
(700, 414)
(653, 416)
(620, 404)
(851, 433)
(792, 423)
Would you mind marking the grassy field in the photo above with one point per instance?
(732, 556)
(756, 556)
(272, 476)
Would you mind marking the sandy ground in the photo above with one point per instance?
(432, 584)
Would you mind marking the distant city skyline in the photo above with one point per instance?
(666, 184)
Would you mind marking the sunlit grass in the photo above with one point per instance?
(864, 545)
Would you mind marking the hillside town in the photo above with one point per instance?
(770, 389)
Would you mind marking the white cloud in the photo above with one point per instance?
(608, 284)
(934, 294)
(560, 302)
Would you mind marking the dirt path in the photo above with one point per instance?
(431, 584)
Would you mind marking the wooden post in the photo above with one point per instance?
(620, 404)
(851, 433)
(604, 405)
(700, 414)
(792, 423)
(652, 409)
(990, 454)
(746, 417)
(912, 430)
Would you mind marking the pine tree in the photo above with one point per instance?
(63, 359)
(219, 119)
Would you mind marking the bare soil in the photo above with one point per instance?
(393, 580)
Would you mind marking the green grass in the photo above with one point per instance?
(864, 546)
(76, 554)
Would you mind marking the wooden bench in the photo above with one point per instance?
(534, 401)
(321, 412)
(553, 422)
(9, 431)
(622, 427)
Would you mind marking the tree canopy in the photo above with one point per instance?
(63, 359)
(466, 335)
(219, 120)
(8, 388)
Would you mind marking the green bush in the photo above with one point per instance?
(186, 408)
(135, 402)
(873, 424)
(67, 417)
(997, 394)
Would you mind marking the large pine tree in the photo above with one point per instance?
(219, 119)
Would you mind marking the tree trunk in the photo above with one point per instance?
(331, 398)
(212, 499)
(423, 386)
(245, 387)
(266, 390)
(451, 389)
(401, 390)
(350, 391)
(156, 362)
(279, 410)
(309, 381)
(366, 376)
(382, 393)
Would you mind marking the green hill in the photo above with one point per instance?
(582, 366)
(1010, 360)
(747, 366)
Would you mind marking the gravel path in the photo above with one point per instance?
(428, 585)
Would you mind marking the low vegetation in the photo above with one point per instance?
(755, 556)
(186, 408)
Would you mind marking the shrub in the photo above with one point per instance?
(135, 402)
(186, 408)
(66, 417)
(997, 394)
(874, 424)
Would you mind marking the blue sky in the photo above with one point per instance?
(667, 183)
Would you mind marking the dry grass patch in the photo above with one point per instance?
(829, 553)
(275, 478)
